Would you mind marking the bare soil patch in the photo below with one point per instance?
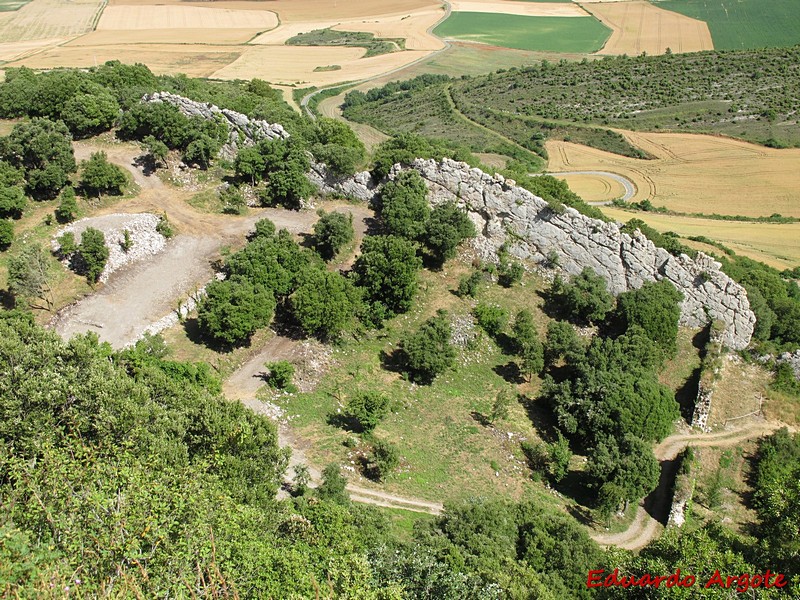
(639, 26)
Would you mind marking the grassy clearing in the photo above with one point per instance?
(681, 374)
(443, 420)
(546, 34)
(402, 522)
(739, 24)
(721, 485)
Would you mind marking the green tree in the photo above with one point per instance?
(233, 310)
(332, 232)
(387, 272)
(585, 298)
(201, 151)
(446, 228)
(403, 205)
(428, 352)
(29, 276)
(334, 486)
(491, 318)
(368, 409)
(385, 459)
(559, 456)
(324, 303)
(337, 146)
(527, 344)
(90, 113)
(627, 463)
(280, 375)
(500, 406)
(655, 308)
(12, 202)
(67, 209)
(102, 177)
(43, 149)
(468, 285)
(233, 201)
(156, 150)
(93, 252)
(561, 342)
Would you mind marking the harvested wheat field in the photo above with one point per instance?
(594, 188)
(235, 37)
(528, 9)
(50, 19)
(195, 61)
(301, 10)
(775, 245)
(295, 65)
(697, 173)
(638, 27)
(184, 17)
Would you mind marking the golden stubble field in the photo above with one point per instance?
(238, 39)
(639, 26)
(702, 174)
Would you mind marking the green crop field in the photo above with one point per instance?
(11, 5)
(737, 24)
(548, 34)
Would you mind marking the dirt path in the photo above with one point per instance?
(138, 296)
(645, 525)
(243, 385)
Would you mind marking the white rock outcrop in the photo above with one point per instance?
(505, 213)
(145, 240)
(242, 130)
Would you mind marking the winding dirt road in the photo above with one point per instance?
(243, 385)
(653, 511)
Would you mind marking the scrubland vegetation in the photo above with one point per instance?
(126, 473)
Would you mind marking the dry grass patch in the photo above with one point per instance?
(641, 27)
(722, 488)
(738, 393)
(775, 245)
(166, 36)
(301, 10)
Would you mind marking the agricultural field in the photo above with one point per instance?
(696, 173)
(49, 20)
(737, 24)
(777, 245)
(640, 26)
(552, 34)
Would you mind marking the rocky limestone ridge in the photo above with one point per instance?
(505, 213)
(242, 130)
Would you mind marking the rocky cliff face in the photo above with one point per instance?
(242, 131)
(504, 212)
